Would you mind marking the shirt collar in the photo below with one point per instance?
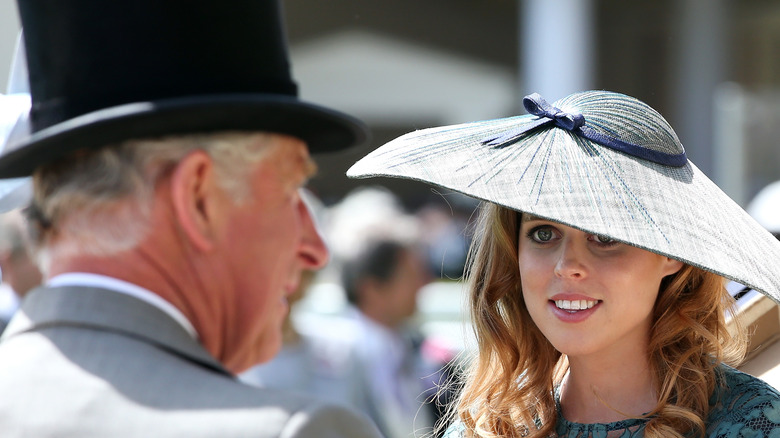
(120, 286)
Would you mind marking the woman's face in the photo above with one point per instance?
(588, 294)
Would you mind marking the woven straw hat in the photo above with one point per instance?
(598, 161)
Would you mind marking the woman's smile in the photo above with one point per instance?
(575, 305)
(573, 308)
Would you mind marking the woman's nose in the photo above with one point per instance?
(570, 263)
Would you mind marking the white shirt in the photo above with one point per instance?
(85, 279)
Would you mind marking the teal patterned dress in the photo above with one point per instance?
(742, 407)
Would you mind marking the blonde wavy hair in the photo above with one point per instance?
(508, 389)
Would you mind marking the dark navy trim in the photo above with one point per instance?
(575, 123)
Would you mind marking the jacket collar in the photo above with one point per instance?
(103, 310)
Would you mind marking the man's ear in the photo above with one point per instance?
(196, 196)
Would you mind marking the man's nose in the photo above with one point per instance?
(312, 251)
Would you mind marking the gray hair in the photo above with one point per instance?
(99, 202)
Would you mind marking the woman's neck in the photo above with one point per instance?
(606, 389)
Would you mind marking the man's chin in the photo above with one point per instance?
(264, 351)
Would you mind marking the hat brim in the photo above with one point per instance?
(554, 174)
(323, 129)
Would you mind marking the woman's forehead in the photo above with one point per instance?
(528, 217)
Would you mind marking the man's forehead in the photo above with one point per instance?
(295, 157)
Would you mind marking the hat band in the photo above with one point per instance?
(575, 123)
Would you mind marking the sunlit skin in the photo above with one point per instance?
(606, 341)
(227, 267)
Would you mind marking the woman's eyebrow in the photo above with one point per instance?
(525, 217)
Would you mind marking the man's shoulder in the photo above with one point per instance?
(137, 371)
(118, 386)
(315, 418)
(291, 414)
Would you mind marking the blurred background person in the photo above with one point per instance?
(382, 283)
(382, 269)
(19, 271)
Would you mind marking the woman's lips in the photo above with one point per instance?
(573, 308)
(575, 304)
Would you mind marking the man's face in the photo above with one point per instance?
(269, 240)
(401, 290)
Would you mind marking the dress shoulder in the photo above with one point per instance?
(743, 405)
(455, 430)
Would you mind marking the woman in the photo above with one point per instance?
(597, 274)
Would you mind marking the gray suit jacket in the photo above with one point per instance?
(84, 362)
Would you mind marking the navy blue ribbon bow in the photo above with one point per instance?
(575, 123)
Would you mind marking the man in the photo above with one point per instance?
(167, 151)
(382, 272)
(383, 285)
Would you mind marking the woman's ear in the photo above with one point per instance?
(195, 196)
(671, 266)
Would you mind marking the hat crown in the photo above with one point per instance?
(611, 120)
(624, 118)
(102, 72)
(86, 55)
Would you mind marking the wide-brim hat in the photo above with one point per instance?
(598, 161)
(103, 72)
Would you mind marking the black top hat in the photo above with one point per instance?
(106, 71)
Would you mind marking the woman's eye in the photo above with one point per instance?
(605, 240)
(542, 235)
